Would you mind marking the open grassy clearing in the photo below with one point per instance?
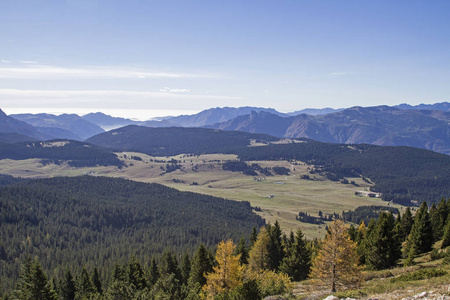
(280, 197)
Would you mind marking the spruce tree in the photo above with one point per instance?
(153, 275)
(446, 237)
(201, 264)
(421, 235)
(33, 283)
(67, 287)
(406, 224)
(169, 265)
(298, 263)
(383, 248)
(243, 251)
(136, 276)
(352, 232)
(275, 247)
(439, 219)
(96, 281)
(85, 288)
(185, 268)
(253, 236)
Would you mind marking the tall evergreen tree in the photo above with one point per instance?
(243, 251)
(136, 276)
(352, 232)
(67, 289)
(298, 262)
(446, 237)
(439, 219)
(421, 235)
(201, 264)
(169, 265)
(33, 283)
(185, 268)
(153, 275)
(253, 236)
(275, 247)
(383, 248)
(406, 224)
(96, 281)
(85, 287)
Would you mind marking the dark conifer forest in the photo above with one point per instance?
(87, 221)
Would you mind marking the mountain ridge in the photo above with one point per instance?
(379, 125)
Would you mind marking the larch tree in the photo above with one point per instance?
(227, 275)
(259, 255)
(336, 263)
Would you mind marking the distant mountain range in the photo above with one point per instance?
(381, 125)
(424, 126)
(14, 127)
(67, 126)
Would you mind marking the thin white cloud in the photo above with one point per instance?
(169, 90)
(107, 99)
(28, 62)
(54, 72)
(5, 61)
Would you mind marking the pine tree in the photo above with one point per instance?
(169, 265)
(67, 286)
(227, 275)
(85, 288)
(275, 247)
(243, 251)
(96, 281)
(253, 236)
(383, 248)
(352, 232)
(336, 263)
(421, 235)
(406, 224)
(258, 256)
(136, 276)
(298, 262)
(33, 283)
(201, 265)
(439, 219)
(153, 275)
(446, 237)
(185, 268)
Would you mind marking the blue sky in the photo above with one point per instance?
(142, 58)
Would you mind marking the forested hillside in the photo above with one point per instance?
(76, 154)
(87, 221)
(175, 140)
(402, 174)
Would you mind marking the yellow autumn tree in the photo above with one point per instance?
(336, 263)
(227, 275)
(259, 255)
